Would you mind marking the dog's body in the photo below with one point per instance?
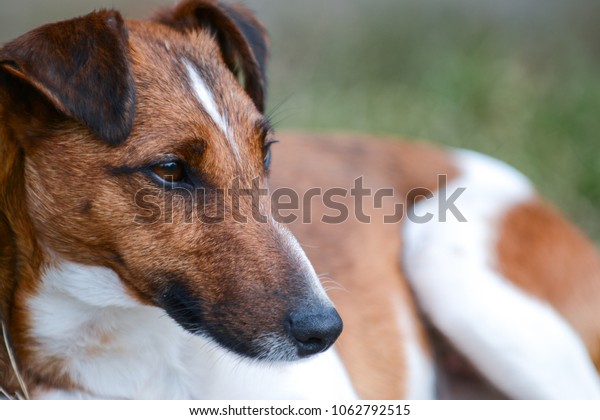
(504, 287)
(98, 303)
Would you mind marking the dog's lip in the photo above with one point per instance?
(187, 311)
(182, 307)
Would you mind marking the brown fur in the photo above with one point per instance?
(22, 257)
(362, 260)
(8, 378)
(548, 257)
(62, 61)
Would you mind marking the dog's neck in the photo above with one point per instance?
(82, 318)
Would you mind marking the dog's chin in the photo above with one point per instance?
(275, 348)
(190, 315)
(271, 347)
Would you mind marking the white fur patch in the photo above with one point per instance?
(521, 344)
(110, 344)
(206, 99)
(115, 347)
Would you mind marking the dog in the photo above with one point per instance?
(105, 120)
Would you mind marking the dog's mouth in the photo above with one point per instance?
(185, 310)
(291, 336)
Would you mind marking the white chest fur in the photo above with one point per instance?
(115, 347)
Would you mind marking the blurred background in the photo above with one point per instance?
(517, 79)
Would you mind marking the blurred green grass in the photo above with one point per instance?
(519, 80)
(521, 84)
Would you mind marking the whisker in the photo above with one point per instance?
(13, 363)
(277, 110)
(330, 284)
(303, 245)
(6, 395)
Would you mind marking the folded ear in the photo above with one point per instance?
(82, 67)
(242, 38)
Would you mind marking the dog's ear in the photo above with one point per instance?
(81, 66)
(242, 38)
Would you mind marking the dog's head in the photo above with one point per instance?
(137, 139)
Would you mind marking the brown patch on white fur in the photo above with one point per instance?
(360, 261)
(547, 256)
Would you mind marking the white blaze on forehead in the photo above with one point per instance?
(207, 100)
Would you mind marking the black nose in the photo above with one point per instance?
(314, 331)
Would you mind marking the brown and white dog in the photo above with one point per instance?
(96, 304)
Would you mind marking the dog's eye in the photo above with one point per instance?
(267, 153)
(267, 159)
(170, 171)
